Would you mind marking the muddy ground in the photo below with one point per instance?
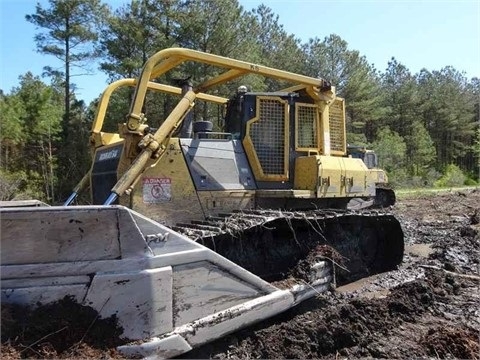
(429, 307)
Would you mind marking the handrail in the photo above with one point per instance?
(97, 125)
(167, 59)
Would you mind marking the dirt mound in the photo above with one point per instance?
(327, 326)
(443, 342)
(63, 329)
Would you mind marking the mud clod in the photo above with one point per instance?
(443, 343)
(321, 252)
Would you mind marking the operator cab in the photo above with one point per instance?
(367, 156)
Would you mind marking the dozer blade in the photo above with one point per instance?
(168, 293)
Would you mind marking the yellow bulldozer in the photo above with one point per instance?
(194, 233)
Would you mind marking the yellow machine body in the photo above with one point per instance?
(293, 139)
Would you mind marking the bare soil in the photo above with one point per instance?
(428, 308)
(61, 330)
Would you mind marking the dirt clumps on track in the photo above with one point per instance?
(428, 308)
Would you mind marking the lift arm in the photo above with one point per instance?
(154, 146)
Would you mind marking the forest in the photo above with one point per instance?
(424, 126)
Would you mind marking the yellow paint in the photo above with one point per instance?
(333, 176)
(378, 176)
(167, 59)
(306, 173)
(215, 202)
(324, 171)
(99, 138)
(183, 205)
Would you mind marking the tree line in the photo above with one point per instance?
(424, 126)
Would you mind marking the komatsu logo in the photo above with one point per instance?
(112, 154)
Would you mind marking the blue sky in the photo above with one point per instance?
(420, 34)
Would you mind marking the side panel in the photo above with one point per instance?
(306, 173)
(165, 192)
(32, 294)
(356, 173)
(215, 202)
(202, 288)
(377, 176)
(332, 176)
(140, 300)
(217, 164)
(45, 235)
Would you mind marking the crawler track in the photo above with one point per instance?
(272, 244)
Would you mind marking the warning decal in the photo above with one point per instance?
(156, 190)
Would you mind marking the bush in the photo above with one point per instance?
(18, 186)
(471, 182)
(453, 177)
(426, 179)
(398, 178)
(9, 184)
(431, 177)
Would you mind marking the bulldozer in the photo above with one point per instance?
(192, 234)
(384, 194)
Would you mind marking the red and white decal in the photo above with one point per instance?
(157, 190)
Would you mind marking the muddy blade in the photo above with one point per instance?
(274, 247)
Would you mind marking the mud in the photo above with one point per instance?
(427, 308)
(63, 329)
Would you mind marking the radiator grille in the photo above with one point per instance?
(337, 126)
(307, 116)
(268, 136)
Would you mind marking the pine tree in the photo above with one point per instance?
(354, 79)
(400, 98)
(391, 150)
(68, 31)
(420, 150)
(447, 108)
(34, 126)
